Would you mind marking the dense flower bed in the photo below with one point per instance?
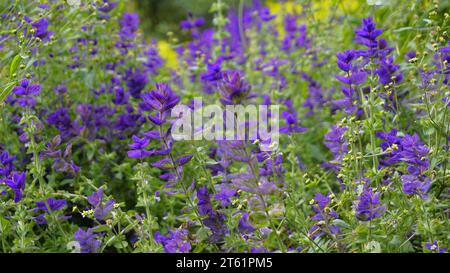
(88, 162)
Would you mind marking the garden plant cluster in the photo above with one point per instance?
(88, 162)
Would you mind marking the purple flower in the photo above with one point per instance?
(271, 165)
(415, 153)
(259, 250)
(135, 82)
(48, 206)
(435, 248)
(180, 161)
(233, 88)
(415, 185)
(162, 99)
(291, 124)
(367, 35)
(7, 162)
(101, 210)
(41, 29)
(344, 60)
(106, 6)
(296, 36)
(213, 72)
(192, 23)
(87, 240)
(214, 220)
(352, 78)
(265, 15)
(246, 182)
(388, 71)
(204, 202)
(411, 55)
(323, 217)
(62, 121)
(26, 92)
(355, 78)
(224, 195)
(154, 60)
(96, 198)
(17, 184)
(129, 24)
(138, 148)
(51, 204)
(93, 118)
(272, 67)
(368, 206)
(244, 225)
(391, 144)
(60, 89)
(43, 6)
(338, 145)
(175, 241)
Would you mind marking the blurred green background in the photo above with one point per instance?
(161, 16)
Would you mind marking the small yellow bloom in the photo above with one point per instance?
(168, 54)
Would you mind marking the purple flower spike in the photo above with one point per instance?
(368, 206)
(87, 240)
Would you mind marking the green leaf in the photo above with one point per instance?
(14, 64)
(5, 92)
(120, 244)
(101, 228)
(341, 223)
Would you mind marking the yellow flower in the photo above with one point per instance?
(279, 9)
(168, 54)
(320, 9)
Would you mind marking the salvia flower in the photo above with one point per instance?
(175, 241)
(135, 82)
(244, 225)
(392, 146)
(17, 183)
(368, 205)
(7, 165)
(101, 209)
(419, 185)
(367, 35)
(213, 73)
(225, 194)
(353, 77)
(106, 6)
(388, 71)
(415, 154)
(162, 100)
(129, 25)
(265, 15)
(154, 60)
(291, 125)
(324, 215)
(87, 240)
(63, 122)
(338, 145)
(46, 207)
(138, 148)
(41, 29)
(233, 88)
(26, 93)
(214, 220)
(192, 22)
